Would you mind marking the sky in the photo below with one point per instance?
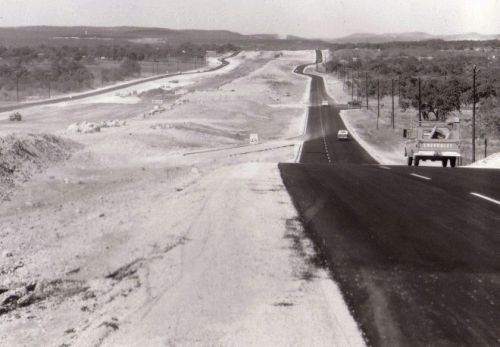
(307, 18)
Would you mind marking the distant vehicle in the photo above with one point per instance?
(354, 103)
(15, 117)
(434, 141)
(343, 135)
(325, 103)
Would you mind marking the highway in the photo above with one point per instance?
(415, 250)
(83, 95)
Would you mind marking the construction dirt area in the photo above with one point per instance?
(146, 215)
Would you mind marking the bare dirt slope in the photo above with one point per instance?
(169, 228)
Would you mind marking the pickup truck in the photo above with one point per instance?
(434, 141)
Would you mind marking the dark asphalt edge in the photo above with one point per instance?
(321, 257)
(91, 93)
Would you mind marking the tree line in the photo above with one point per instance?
(445, 78)
(66, 68)
(114, 52)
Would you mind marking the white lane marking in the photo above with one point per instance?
(384, 167)
(324, 136)
(486, 198)
(420, 176)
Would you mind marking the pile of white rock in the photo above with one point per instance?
(95, 127)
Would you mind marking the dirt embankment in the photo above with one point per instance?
(21, 156)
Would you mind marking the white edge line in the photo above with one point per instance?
(299, 152)
(420, 176)
(384, 167)
(486, 198)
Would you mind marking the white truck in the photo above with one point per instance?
(434, 141)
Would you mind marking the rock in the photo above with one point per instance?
(73, 271)
(84, 127)
(31, 286)
(101, 215)
(7, 254)
(12, 296)
(75, 128)
(26, 300)
(89, 128)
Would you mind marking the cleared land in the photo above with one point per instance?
(170, 227)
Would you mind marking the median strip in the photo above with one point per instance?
(486, 198)
(420, 176)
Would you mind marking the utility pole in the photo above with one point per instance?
(378, 101)
(392, 92)
(485, 147)
(17, 89)
(399, 91)
(352, 86)
(345, 77)
(366, 89)
(419, 102)
(49, 89)
(357, 88)
(474, 113)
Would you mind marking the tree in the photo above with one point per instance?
(130, 67)
(18, 72)
(489, 111)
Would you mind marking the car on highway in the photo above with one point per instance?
(325, 103)
(343, 134)
(354, 104)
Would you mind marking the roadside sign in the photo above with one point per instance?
(157, 102)
(254, 139)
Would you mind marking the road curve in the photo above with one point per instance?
(415, 250)
(83, 95)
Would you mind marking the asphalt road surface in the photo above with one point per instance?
(415, 250)
(223, 61)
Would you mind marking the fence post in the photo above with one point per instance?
(366, 89)
(392, 92)
(378, 101)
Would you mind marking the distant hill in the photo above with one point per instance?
(81, 35)
(410, 36)
(471, 36)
